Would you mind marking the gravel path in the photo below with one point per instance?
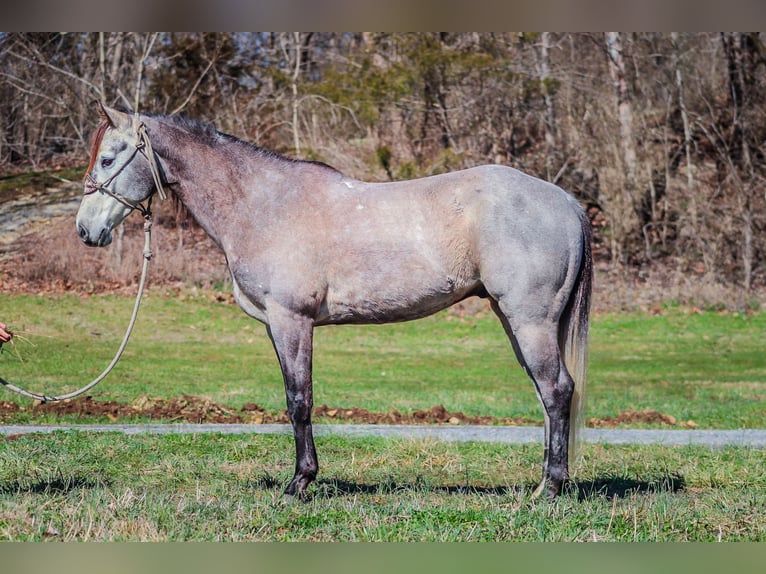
(499, 434)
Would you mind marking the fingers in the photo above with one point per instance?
(5, 336)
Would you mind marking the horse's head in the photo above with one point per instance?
(122, 173)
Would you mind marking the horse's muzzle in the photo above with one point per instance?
(104, 237)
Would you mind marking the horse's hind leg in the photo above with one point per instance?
(535, 342)
(292, 336)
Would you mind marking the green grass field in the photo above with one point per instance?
(79, 486)
(708, 368)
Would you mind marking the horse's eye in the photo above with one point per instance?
(107, 162)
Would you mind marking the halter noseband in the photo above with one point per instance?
(143, 145)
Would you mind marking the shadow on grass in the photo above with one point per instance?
(58, 485)
(332, 487)
(606, 487)
(621, 486)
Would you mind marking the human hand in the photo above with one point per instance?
(5, 335)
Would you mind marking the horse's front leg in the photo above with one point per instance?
(292, 336)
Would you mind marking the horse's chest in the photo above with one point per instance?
(250, 299)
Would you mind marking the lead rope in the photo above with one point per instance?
(147, 256)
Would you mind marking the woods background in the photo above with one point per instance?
(661, 135)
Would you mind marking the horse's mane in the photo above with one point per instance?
(206, 132)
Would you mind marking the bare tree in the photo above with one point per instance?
(622, 215)
(660, 135)
(550, 112)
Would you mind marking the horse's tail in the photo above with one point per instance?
(573, 339)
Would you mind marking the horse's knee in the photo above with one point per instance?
(299, 409)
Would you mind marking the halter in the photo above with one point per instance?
(143, 145)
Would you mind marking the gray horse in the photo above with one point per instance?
(307, 245)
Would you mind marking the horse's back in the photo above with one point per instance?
(406, 249)
(499, 209)
(498, 193)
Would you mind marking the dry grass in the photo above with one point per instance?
(649, 290)
(54, 258)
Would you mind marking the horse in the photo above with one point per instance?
(307, 245)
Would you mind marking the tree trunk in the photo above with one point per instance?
(623, 214)
(550, 112)
(294, 89)
(687, 131)
(741, 79)
(624, 106)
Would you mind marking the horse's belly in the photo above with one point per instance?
(390, 305)
(398, 282)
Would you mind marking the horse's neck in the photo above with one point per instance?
(219, 183)
(203, 183)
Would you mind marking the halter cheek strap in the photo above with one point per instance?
(143, 145)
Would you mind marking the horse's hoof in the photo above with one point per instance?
(297, 488)
(539, 490)
(293, 499)
(553, 488)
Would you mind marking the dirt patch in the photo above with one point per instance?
(201, 410)
(435, 415)
(193, 409)
(638, 417)
(7, 408)
(180, 409)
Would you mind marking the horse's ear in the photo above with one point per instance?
(100, 109)
(115, 118)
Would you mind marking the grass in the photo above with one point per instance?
(78, 486)
(708, 367)
(33, 181)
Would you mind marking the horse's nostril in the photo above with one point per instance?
(104, 238)
(82, 231)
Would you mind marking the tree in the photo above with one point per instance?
(623, 216)
(660, 135)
